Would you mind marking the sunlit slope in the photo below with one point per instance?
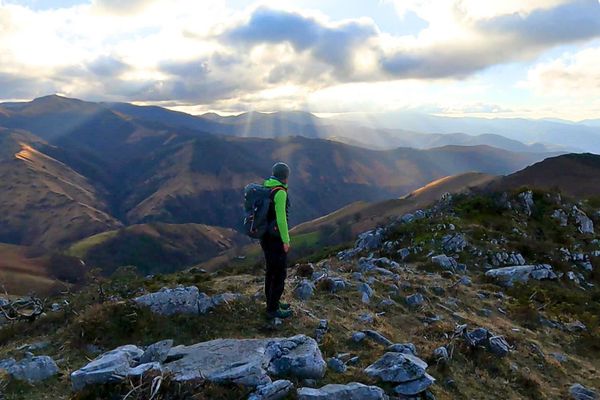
(44, 202)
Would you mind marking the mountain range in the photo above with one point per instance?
(72, 169)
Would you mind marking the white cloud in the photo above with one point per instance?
(572, 74)
(189, 52)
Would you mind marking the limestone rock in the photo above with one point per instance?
(30, 369)
(304, 290)
(508, 276)
(445, 262)
(272, 391)
(157, 352)
(580, 392)
(109, 367)
(181, 300)
(351, 391)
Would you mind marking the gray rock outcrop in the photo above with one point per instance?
(508, 276)
(248, 362)
(30, 369)
(184, 300)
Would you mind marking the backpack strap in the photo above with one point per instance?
(276, 189)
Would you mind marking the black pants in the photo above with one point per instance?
(276, 260)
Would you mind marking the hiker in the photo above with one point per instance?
(276, 242)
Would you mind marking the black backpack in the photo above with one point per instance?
(257, 200)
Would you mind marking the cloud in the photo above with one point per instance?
(332, 44)
(107, 66)
(573, 21)
(572, 74)
(121, 7)
(497, 40)
(188, 52)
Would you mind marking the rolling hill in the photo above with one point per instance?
(22, 274)
(156, 247)
(576, 175)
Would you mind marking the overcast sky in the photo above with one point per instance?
(526, 58)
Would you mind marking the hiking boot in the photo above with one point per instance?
(284, 306)
(279, 313)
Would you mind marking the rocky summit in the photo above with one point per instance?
(479, 296)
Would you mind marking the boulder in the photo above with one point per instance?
(527, 203)
(403, 253)
(321, 330)
(412, 388)
(415, 300)
(109, 367)
(499, 346)
(508, 276)
(561, 216)
(298, 356)
(272, 391)
(157, 352)
(181, 300)
(477, 337)
(335, 284)
(30, 369)
(585, 224)
(246, 361)
(445, 262)
(580, 392)
(365, 289)
(358, 337)
(225, 298)
(407, 218)
(369, 240)
(454, 243)
(351, 391)
(397, 367)
(406, 348)
(304, 290)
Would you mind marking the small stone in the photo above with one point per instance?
(580, 392)
(441, 354)
(336, 365)
(499, 346)
(272, 391)
(477, 337)
(406, 348)
(358, 337)
(415, 300)
(367, 318)
(414, 387)
(445, 262)
(575, 326)
(304, 290)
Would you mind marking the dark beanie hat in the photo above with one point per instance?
(281, 171)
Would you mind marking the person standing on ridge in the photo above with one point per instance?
(276, 242)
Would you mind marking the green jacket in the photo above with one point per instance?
(280, 201)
